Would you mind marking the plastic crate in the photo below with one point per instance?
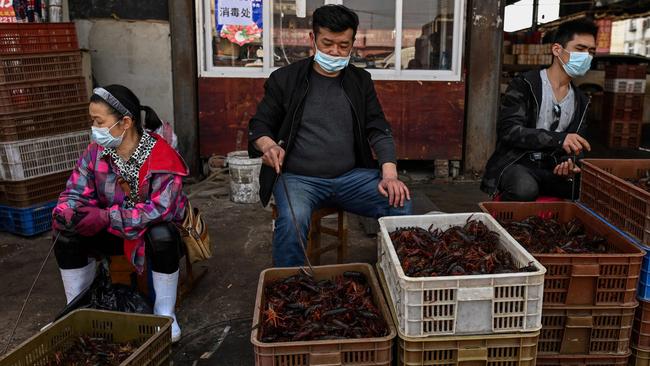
(586, 330)
(151, 332)
(33, 191)
(36, 67)
(583, 360)
(636, 86)
(37, 38)
(41, 123)
(639, 357)
(461, 305)
(42, 156)
(580, 279)
(621, 128)
(27, 221)
(625, 72)
(352, 352)
(623, 107)
(624, 141)
(603, 188)
(498, 349)
(42, 95)
(641, 328)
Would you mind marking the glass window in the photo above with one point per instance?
(375, 41)
(237, 33)
(427, 34)
(291, 27)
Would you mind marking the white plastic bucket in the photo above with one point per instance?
(244, 177)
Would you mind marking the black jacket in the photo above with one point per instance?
(517, 134)
(280, 112)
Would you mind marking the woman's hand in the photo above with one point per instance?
(94, 220)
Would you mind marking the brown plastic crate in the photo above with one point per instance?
(625, 71)
(34, 67)
(37, 38)
(641, 329)
(42, 94)
(639, 357)
(518, 349)
(583, 360)
(624, 141)
(44, 122)
(580, 279)
(603, 189)
(586, 330)
(623, 107)
(624, 128)
(33, 191)
(367, 351)
(152, 333)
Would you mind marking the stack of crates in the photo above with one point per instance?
(623, 105)
(606, 189)
(462, 320)
(44, 122)
(589, 299)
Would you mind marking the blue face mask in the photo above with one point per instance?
(578, 65)
(329, 63)
(102, 136)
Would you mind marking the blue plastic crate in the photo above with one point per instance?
(27, 221)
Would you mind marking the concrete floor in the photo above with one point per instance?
(224, 298)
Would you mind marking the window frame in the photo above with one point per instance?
(207, 69)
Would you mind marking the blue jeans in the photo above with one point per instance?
(355, 192)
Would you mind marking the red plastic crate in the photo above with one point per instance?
(625, 72)
(624, 141)
(24, 38)
(623, 107)
(604, 189)
(603, 279)
(42, 95)
(33, 191)
(31, 67)
(43, 122)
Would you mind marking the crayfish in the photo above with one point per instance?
(471, 249)
(544, 235)
(93, 351)
(300, 308)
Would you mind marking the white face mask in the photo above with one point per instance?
(102, 136)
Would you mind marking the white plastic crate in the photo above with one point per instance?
(634, 86)
(33, 158)
(461, 305)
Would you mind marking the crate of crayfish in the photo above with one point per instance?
(587, 262)
(97, 337)
(458, 274)
(336, 315)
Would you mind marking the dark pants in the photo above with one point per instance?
(525, 183)
(162, 246)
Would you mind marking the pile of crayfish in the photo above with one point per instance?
(472, 249)
(642, 182)
(545, 235)
(299, 308)
(91, 351)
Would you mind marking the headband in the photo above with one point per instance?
(112, 101)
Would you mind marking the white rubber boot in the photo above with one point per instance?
(77, 280)
(165, 286)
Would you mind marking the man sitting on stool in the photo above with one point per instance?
(542, 123)
(314, 129)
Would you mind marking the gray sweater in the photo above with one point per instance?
(324, 142)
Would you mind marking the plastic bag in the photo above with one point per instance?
(104, 295)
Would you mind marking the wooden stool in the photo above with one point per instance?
(316, 229)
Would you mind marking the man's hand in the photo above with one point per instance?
(566, 169)
(390, 186)
(574, 143)
(273, 153)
